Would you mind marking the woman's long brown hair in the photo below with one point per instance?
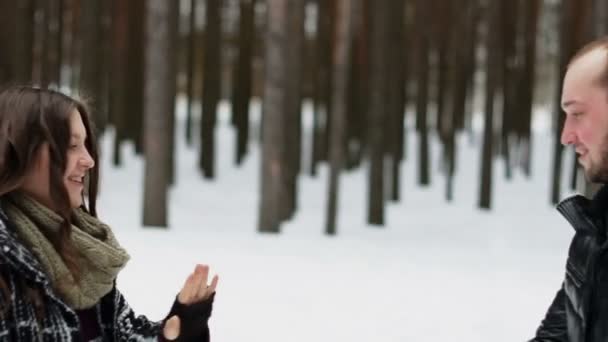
(31, 117)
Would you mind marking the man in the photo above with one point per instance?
(579, 312)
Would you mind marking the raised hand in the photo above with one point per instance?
(195, 290)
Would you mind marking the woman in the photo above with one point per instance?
(58, 262)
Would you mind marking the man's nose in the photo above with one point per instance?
(568, 136)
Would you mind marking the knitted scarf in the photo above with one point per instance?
(99, 261)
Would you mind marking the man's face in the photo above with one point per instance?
(585, 102)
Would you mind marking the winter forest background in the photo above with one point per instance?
(423, 134)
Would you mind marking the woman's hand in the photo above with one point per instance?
(195, 290)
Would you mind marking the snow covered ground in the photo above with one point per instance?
(436, 272)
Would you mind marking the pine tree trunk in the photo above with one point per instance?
(22, 47)
(52, 43)
(243, 78)
(293, 110)
(90, 32)
(341, 68)
(396, 96)
(532, 8)
(211, 87)
(135, 69)
(118, 78)
(491, 86)
(172, 86)
(8, 11)
(273, 107)
(359, 84)
(190, 74)
(424, 177)
(510, 75)
(157, 98)
(322, 83)
(461, 41)
(377, 114)
(601, 18)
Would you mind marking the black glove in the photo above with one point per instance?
(193, 320)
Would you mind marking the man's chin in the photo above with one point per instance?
(595, 176)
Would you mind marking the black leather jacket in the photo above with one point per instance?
(579, 312)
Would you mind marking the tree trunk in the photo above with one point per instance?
(135, 70)
(424, 177)
(118, 76)
(8, 20)
(491, 86)
(91, 59)
(600, 18)
(359, 88)
(510, 75)
(22, 47)
(211, 87)
(190, 74)
(172, 86)
(51, 43)
(273, 107)
(341, 68)
(323, 86)
(377, 114)
(243, 78)
(532, 8)
(157, 98)
(396, 96)
(293, 109)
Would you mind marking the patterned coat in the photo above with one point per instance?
(19, 267)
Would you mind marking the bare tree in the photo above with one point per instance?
(91, 79)
(243, 78)
(422, 58)
(157, 98)
(377, 113)
(322, 83)
(24, 44)
(190, 74)
(211, 87)
(274, 103)
(341, 60)
(491, 87)
(293, 106)
(118, 75)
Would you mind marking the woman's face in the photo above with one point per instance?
(78, 162)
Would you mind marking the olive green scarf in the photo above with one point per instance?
(99, 261)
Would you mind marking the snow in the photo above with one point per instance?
(436, 271)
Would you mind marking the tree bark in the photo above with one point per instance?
(243, 78)
(273, 107)
(341, 68)
(424, 177)
(491, 86)
(322, 92)
(377, 114)
(293, 109)
(157, 98)
(190, 74)
(118, 75)
(211, 87)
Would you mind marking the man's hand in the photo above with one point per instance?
(195, 290)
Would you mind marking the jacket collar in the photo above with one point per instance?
(586, 215)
